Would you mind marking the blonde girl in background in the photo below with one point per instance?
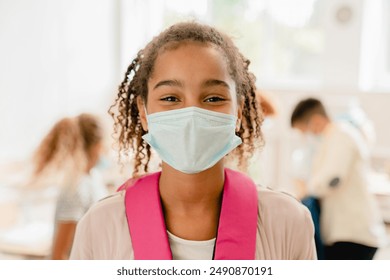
(66, 157)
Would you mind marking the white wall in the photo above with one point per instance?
(58, 57)
(342, 48)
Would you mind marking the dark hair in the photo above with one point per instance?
(307, 108)
(127, 124)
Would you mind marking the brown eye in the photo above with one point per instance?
(214, 99)
(170, 99)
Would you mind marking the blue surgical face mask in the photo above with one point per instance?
(191, 139)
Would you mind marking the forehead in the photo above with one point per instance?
(174, 45)
(196, 57)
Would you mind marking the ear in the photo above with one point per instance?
(142, 113)
(239, 117)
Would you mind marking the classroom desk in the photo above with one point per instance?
(380, 187)
(26, 223)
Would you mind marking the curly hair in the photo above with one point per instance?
(127, 124)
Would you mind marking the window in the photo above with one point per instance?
(292, 44)
(283, 39)
(375, 55)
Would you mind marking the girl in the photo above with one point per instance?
(66, 158)
(188, 95)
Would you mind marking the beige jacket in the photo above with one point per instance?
(348, 210)
(285, 230)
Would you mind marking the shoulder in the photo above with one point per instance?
(273, 198)
(111, 204)
(343, 130)
(285, 227)
(106, 212)
(103, 232)
(347, 133)
(281, 208)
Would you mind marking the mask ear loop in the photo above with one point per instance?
(146, 111)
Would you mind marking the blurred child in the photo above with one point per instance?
(350, 223)
(66, 157)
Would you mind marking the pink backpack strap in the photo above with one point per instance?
(146, 220)
(127, 184)
(236, 238)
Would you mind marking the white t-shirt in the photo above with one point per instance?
(183, 249)
(284, 231)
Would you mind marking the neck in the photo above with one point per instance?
(185, 191)
(192, 202)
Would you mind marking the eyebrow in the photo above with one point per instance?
(214, 82)
(177, 83)
(171, 83)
